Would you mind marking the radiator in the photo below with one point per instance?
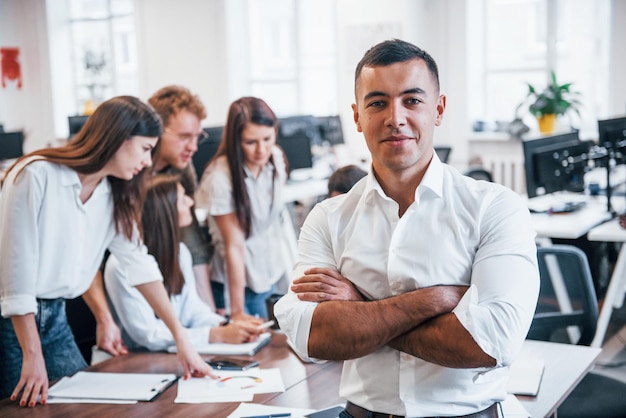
(507, 170)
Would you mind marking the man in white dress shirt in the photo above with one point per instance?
(423, 281)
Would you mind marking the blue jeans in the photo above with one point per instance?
(255, 302)
(60, 352)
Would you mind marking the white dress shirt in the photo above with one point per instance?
(141, 329)
(263, 252)
(459, 231)
(51, 244)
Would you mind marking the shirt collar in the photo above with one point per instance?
(433, 180)
(269, 166)
(69, 178)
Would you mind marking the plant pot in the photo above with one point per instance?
(546, 123)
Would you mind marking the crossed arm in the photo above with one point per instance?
(419, 323)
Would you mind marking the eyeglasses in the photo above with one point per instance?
(202, 137)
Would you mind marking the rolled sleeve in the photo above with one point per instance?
(294, 317)
(498, 313)
(19, 250)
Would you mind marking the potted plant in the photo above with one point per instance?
(547, 104)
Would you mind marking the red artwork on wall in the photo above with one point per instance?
(10, 64)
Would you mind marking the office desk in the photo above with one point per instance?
(565, 366)
(612, 232)
(305, 190)
(571, 225)
(307, 385)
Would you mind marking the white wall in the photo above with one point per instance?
(184, 42)
(23, 25)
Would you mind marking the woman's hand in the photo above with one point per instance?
(33, 381)
(109, 339)
(322, 284)
(193, 364)
(244, 317)
(237, 332)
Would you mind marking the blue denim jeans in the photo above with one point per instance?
(255, 302)
(60, 352)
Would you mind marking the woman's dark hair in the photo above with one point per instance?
(161, 231)
(113, 122)
(394, 51)
(242, 111)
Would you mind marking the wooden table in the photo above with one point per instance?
(307, 385)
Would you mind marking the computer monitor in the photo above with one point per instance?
(612, 135)
(298, 126)
(76, 123)
(330, 129)
(554, 163)
(207, 149)
(11, 145)
(297, 150)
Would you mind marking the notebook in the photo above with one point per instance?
(245, 349)
(525, 375)
(112, 386)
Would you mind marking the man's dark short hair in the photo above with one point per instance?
(342, 180)
(393, 51)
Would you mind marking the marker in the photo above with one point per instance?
(266, 325)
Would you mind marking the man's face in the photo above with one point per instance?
(179, 141)
(397, 108)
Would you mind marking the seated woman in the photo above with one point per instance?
(166, 210)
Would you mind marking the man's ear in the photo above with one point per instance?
(441, 107)
(355, 114)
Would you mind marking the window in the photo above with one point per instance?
(292, 53)
(104, 57)
(520, 41)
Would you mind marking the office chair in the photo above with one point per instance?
(567, 312)
(567, 297)
(479, 173)
(443, 152)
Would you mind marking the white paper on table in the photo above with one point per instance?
(232, 386)
(111, 386)
(85, 400)
(251, 409)
(525, 374)
(53, 400)
(513, 408)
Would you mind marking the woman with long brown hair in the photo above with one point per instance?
(60, 209)
(166, 210)
(242, 190)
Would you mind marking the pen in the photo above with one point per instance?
(266, 325)
(286, 414)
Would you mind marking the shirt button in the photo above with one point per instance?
(396, 287)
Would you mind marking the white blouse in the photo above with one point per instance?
(51, 244)
(141, 329)
(265, 248)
